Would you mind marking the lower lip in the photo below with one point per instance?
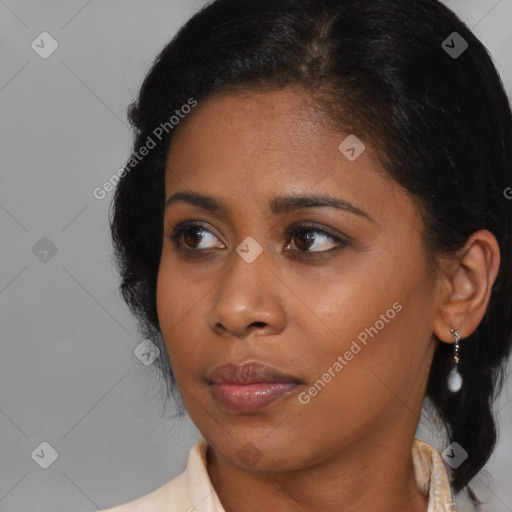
(251, 397)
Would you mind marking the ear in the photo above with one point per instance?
(465, 286)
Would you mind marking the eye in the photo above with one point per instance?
(190, 236)
(191, 233)
(308, 236)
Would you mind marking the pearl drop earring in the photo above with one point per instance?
(454, 377)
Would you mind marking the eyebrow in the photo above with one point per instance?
(278, 205)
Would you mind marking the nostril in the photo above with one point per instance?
(259, 324)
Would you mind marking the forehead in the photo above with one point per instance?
(265, 132)
(251, 147)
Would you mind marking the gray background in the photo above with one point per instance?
(68, 374)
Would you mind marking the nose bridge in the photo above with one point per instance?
(249, 275)
(249, 292)
(255, 257)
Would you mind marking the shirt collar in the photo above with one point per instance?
(431, 477)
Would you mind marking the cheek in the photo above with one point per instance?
(336, 308)
(174, 305)
(376, 311)
(177, 296)
(166, 299)
(181, 314)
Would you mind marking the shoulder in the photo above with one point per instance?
(175, 493)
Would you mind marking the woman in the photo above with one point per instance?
(314, 228)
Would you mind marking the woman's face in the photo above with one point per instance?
(342, 311)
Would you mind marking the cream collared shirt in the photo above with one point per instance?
(192, 491)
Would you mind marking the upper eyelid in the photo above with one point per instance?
(341, 238)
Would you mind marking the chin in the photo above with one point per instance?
(265, 452)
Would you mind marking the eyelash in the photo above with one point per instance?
(175, 237)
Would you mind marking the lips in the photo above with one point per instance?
(249, 387)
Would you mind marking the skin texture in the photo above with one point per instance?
(349, 447)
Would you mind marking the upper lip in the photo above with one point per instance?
(248, 373)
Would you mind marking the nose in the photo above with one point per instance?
(248, 298)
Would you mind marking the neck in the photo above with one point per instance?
(374, 475)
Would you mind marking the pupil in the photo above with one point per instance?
(195, 237)
(305, 237)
